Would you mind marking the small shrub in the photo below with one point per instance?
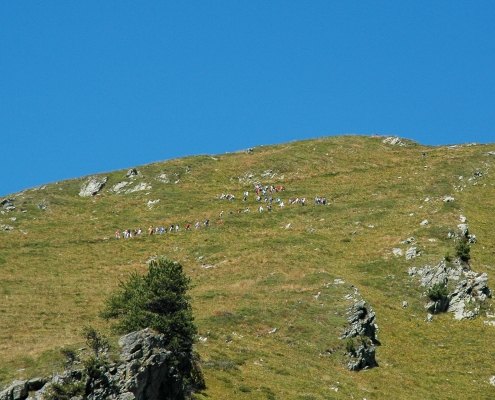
(462, 250)
(448, 257)
(350, 346)
(437, 292)
(244, 389)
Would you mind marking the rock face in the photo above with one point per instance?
(92, 186)
(465, 299)
(362, 325)
(148, 371)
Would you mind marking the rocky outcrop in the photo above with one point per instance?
(466, 297)
(361, 336)
(472, 290)
(138, 187)
(92, 186)
(132, 173)
(119, 186)
(147, 371)
(393, 140)
(412, 252)
(7, 204)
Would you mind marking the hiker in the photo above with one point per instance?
(150, 230)
(260, 209)
(188, 227)
(221, 213)
(177, 228)
(117, 234)
(269, 208)
(139, 231)
(197, 225)
(207, 223)
(281, 205)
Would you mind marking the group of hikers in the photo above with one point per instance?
(264, 193)
(129, 233)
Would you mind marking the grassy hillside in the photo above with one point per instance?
(254, 272)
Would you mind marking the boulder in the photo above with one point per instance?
(92, 186)
(448, 199)
(409, 240)
(412, 252)
(119, 186)
(132, 173)
(424, 223)
(18, 390)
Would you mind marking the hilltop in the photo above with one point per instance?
(272, 290)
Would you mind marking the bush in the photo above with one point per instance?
(437, 292)
(462, 250)
(350, 346)
(157, 300)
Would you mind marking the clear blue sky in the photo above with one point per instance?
(94, 86)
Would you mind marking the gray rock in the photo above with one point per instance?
(412, 252)
(397, 251)
(36, 383)
(18, 390)
(405, 304)
(363, 358)
(429, 318)
(119, 186)
(492, 379)
(448, 199)
(131, 173)
(409, 240)
(138, 187)
(7, 204)
(92, 186)
(393, 140)
(148, 371)
(424, 223)
(362, 322)
(463, 229)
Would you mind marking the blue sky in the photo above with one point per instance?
(89, 87)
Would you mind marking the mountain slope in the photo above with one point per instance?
(265, 299)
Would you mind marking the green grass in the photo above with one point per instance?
(262, 276)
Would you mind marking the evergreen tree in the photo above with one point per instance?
(157, 300)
